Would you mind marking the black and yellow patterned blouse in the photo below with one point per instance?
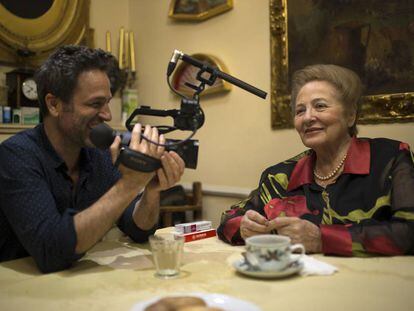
(368, 210)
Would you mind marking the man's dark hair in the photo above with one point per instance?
(59, 73)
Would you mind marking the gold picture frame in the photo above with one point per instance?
(291, 46)
(28, 41)
(198, 10)
(187, 73)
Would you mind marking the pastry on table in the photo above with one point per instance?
(180, 303)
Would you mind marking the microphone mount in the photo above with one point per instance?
(190, 116)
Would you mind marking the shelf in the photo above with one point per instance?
(10, 128)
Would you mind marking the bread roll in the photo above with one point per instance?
(199, 308)
(175, 303)
(158, 306)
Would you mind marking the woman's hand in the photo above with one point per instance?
(300, 231)
(253, 223)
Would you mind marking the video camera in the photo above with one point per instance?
(189, 117)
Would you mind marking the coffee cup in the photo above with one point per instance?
(270, 252)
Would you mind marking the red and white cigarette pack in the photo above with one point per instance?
(198, 235)
(193, 226)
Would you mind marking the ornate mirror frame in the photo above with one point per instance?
(379, 108)
(187, 73)
(65, 22)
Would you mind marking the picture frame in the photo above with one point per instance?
(28, 34)
(198, 10)
(186, 73)
(373, 38)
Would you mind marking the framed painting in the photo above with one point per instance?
(198, 10)
(374, 38)
(31, 30)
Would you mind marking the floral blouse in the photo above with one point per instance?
(368, 210)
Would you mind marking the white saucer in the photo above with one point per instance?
(243, 268)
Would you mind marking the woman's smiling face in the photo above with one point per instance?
(320, 117)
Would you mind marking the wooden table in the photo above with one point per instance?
(116, 274)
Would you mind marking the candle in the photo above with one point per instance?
(132, 50)
(126, 50)
(108, 42)
(121, 48)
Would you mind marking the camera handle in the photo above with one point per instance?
(190, 117)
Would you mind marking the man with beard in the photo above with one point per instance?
(59, 194)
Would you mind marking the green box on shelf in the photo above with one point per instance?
(30, 115)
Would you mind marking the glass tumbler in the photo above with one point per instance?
(167, 250)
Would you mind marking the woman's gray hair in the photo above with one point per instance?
(346, 82)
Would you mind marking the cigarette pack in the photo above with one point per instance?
(194, 236)
(193, 226)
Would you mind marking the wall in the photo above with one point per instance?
(107, 15)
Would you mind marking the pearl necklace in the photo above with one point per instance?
(333, 173)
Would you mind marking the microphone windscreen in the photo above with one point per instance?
(102, 136)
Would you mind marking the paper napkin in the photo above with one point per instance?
(313, 266)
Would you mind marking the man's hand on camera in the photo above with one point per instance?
(169, 174)
(172, 164)
(146, 212)
(141, 146)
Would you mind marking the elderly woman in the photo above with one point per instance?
(345, 195)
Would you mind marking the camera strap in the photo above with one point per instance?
(137, 161)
